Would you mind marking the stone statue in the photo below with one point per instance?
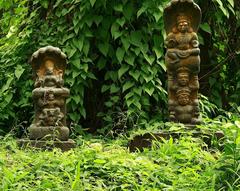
(49, 95)
(181, 19)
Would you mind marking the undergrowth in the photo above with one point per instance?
(101, 163)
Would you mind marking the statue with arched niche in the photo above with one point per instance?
(49, 95)
(182, 18)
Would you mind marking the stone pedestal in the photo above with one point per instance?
(46, 145)
(139, 142)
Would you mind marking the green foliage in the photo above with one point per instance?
(220, 44)
(104, 164)
(115, 52)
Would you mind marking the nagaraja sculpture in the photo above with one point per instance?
(49, 97)
(181, 20)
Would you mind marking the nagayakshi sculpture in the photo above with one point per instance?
(181, 20)
(49, 95)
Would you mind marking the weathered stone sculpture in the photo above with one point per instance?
(49, 98)
(181, 19)
(49, 95)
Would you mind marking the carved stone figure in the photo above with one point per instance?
(181, 19)
(49, 95)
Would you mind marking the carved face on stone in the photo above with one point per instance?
(183, 26)
(183, 96)
(183, 78)
(49, 65)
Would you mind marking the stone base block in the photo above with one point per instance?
(139, 142)
(48, 132)
(46, 145)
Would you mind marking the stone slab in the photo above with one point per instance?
(139, 142)
(46, 145)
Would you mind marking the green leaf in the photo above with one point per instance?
(149, 90)
(150, 59)
(158, 40)
(144, 48)
(76, 98)
(231, 2)
(147, 78)
(130, 94)
(206, 28)
(101, 63)
(124, 68)
(141, 11)
(115, 31)
(135, 74)
(98, 19)
(137, 51)
(64, 11)
(157, 15)
(70, 51)
(100, 161)
(75, 73)
(121, 21)
(225, 11)
(130, 101)
(92, 2)
(158, 52)
(114, 88)
(8, 97)
(44, 3)
(136, 37)
(103, 47)
(115, 99)
(75, 21)
(111, 75)
(219, 2)
(138, 91)
(82, 112)
(162, 64)
(19, 71)
(126, 43)
(118, 7)
(109, 103)
(137, 104)
(91, 76)
(120, 54)
(86, 47)
(127, 85)
(105, 88)
(130, 59)
(128, 11)
(78, 42)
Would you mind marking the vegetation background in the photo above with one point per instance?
(117, 77)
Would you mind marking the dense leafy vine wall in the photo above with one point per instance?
(116, 69)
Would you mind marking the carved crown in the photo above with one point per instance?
(182, 18)
(178, 10)
(183, 70)
(183, 91)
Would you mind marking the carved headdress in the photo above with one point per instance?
(173, 14)
(53, 54)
